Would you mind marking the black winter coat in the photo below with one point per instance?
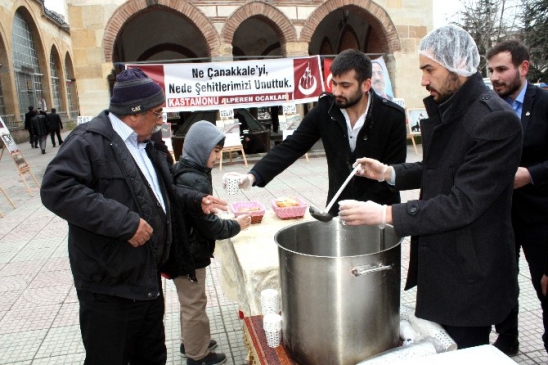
(383, 137)
(203, 229)
(94, 184)
(39, 125)
(463, 259)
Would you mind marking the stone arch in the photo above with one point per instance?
(279, 22)
(374, 14)
(129, 9)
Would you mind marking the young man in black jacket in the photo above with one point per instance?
(352, 122)
(202, 148)
(462, 256)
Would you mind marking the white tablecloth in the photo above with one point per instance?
(480, 355)
(249, 262)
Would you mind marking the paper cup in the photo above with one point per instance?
(270, 301)
(272, 325)
(232, 185)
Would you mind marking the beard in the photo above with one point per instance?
(352, 100)
(511, 87)
(447, 89)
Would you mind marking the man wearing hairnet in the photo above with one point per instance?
(462, 245)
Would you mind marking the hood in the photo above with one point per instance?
(200, 140)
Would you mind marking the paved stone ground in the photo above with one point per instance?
(38, 305)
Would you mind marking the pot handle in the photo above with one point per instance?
(370, 269)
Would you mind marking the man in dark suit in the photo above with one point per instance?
(55, 125)
(508, 64)
(28, 116)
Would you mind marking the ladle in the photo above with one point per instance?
(324, 215)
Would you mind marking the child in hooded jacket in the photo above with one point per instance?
(202, 148)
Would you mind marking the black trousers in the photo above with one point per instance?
(118, 331)
(533, 239)
(33, 139)
(469, 336)
(52, 135)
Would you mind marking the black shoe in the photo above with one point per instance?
(510, 347)
(212, 345)
(211, 359)
(43, 152)
(53, 146)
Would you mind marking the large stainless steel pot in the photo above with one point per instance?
(340, 291)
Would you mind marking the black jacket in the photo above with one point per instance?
(530, 202)
(54, 122)
(203, 229)
(383, 137)
(94, 183)
(39, 125)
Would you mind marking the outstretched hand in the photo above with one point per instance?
(245, 181)
(211, 204)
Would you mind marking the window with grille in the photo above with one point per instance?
(55, 83)
(25, 61)
(2, 103)
(69, 79)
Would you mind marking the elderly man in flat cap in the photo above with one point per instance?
(125, 223)
(462, 247)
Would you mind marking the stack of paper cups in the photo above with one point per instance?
(272, 324)
(270, 301)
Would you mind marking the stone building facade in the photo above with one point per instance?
(76, 65)
(107, 33)
(36, 63)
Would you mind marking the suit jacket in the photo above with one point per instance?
(54, 122)
(530, 202)
(463, 258)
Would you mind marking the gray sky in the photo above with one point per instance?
(59, 6)
(444, 11)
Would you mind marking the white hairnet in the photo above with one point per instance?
(453, 48)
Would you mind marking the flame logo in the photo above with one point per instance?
(307, 82)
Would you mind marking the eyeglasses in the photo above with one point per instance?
(158, 115)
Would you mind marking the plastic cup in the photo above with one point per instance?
(270, 301)
(232, 185)
(272, 324)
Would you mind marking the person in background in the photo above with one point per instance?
(352, 122)
(274, 110)
(202, 148)
(508, 64)
(28, 116)
(126, 223)
(378, 82)
(462, 256)
(40, 129)
(55, 125)
(161, 146)
(250, 142)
